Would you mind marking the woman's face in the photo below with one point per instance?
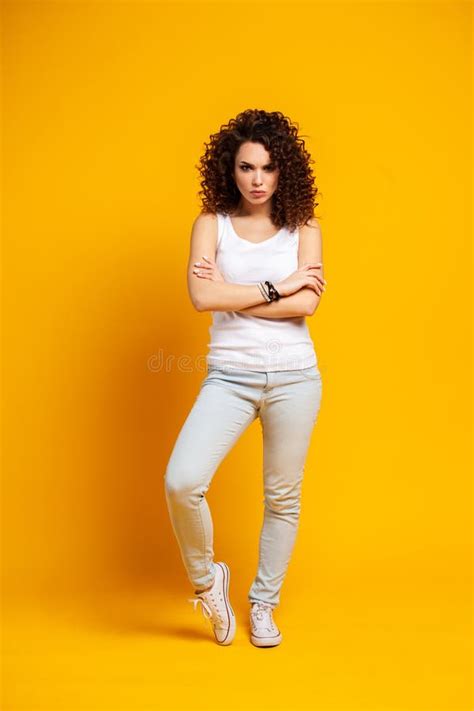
(254, 171)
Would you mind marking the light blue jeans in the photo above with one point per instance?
(287, 404)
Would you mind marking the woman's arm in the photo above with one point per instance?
(305, 301)
(207, 295)
(294, 305)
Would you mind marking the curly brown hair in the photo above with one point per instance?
(293, 202)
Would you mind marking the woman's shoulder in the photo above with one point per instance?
(310, 228)
(206, 218)
(310, 222)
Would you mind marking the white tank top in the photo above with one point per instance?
(239, 340)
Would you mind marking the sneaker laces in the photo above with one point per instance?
(262, 612)
(210, 607)
(207, 612)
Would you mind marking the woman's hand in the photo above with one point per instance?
(307, 275)
(208, 270)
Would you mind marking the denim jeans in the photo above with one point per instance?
(287, 404)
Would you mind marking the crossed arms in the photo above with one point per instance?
(208, 295)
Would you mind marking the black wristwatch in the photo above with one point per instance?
(272, 292)
(268, 291)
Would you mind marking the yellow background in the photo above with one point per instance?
(106, 108)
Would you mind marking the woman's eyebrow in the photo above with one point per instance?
(252, 166)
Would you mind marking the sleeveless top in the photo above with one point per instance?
(243, 341)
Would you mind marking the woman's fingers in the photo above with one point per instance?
(318, 278)
(315, 285)
(202, 268)
(316, 266)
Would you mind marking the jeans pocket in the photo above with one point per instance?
(311, 373)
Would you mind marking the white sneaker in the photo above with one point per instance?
(216, 605)
(264, 631)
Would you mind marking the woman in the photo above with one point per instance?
(259, 284)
